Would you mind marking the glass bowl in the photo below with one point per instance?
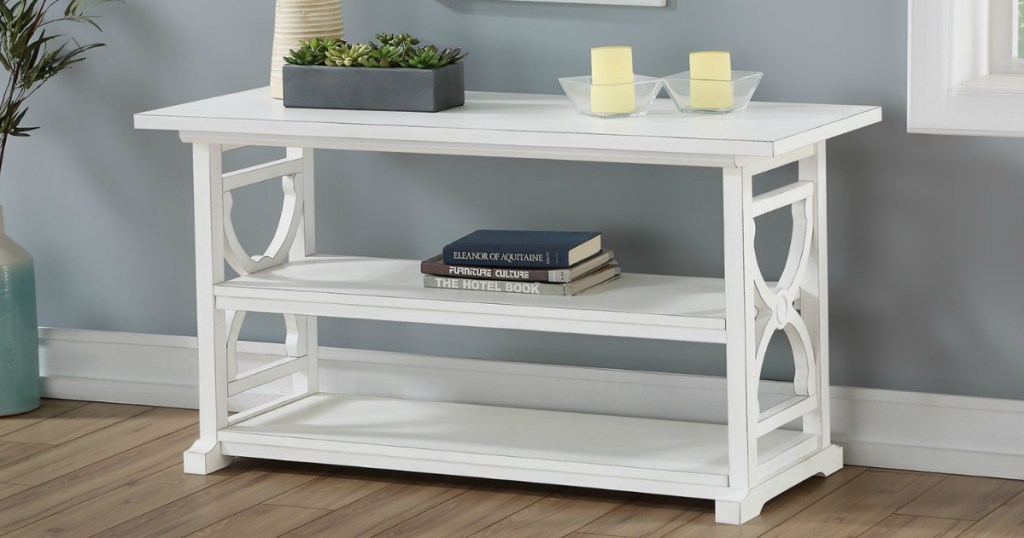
(612, 100)
(712, 96)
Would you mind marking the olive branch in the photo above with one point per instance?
(31, 55)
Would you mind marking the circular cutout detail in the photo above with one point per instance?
(781, 310)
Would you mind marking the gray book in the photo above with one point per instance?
(609, 272)
(436, 266)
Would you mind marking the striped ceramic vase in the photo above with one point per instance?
(19, 332)
(298, 20)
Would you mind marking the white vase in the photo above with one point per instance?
(296, 21)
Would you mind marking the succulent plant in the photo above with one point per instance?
(393, 50)
(348, 55)
(385, 56)
(397, 40)
(429, 57)
(313, 51)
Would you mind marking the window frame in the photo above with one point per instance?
(951, 85)
(1003, 38)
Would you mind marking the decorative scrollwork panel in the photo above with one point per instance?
(284, 237)
(776, 305)
(235, 320)
(294, 364)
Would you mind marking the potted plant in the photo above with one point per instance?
(394, 73)
(31, 55)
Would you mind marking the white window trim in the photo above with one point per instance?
(951, 86)
(1002, 39)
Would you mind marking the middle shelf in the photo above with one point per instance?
(635, 305)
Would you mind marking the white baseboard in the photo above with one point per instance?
(878, 428)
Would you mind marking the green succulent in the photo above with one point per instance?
(453, 55)
(385, 56)
(429, 57)
(393, 50)
(397, 40)
(313, 51)
(348, 55)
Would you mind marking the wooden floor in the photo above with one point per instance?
(76, 469)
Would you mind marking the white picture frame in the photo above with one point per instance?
(645, 3)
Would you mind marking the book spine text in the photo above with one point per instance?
(530, 288)
(506, 257)
(496, 273)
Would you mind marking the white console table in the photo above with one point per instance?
(740, 464)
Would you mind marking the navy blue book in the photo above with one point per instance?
(526, 249)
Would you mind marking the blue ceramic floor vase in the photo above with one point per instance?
(19, 333)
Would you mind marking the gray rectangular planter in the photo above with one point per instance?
(372, 88)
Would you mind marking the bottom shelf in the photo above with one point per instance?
(634, 454)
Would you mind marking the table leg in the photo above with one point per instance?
(814, 292)
(205, 455)
(304, 330)
(741, 375)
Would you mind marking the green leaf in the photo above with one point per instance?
(32, 51)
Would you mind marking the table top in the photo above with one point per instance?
(524, 120)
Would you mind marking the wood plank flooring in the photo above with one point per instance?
(78, 469)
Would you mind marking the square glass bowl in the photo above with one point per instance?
(612, 100)
(712, 96)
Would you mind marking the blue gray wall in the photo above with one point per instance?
(926, 245)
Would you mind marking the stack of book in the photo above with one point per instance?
(531, 262)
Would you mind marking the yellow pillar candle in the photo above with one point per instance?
(612, 90)
(612, 65)
(710, 80)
